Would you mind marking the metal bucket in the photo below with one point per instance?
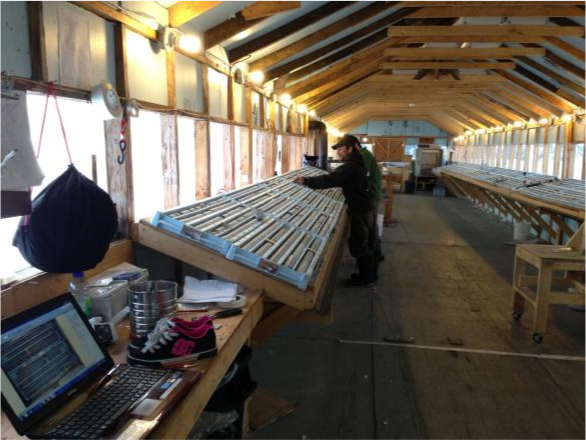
(149, 302)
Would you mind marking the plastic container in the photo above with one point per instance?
(107, 301)
(521, 231)
(109, 289)
(79, 289)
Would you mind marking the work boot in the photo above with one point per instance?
(366, 273)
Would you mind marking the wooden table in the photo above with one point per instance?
(233, 334)
(547, 259)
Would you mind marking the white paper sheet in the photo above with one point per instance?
(196, 291)
(21, 171)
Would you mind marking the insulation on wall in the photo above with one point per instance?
(15, 42)
(188, 80)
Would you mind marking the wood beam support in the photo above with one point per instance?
(36, 36)
(244, 50)
(103, 10)
(416, 65)
(499, 10)
(266, 9)
(465, 30)
(438, 53)
(182, 12)
(316, 37)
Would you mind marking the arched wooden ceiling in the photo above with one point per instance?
(459, 65)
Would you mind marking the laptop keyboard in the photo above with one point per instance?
(99, 414)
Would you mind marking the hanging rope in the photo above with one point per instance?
(51, 92)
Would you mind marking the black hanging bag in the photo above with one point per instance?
(71, 224)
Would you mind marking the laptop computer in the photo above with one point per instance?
(51, 358)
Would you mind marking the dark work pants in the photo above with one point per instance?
(362, 234)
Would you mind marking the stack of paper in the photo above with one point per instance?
(196, 291)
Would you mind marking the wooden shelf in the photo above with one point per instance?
(317, 295)
(233, 334)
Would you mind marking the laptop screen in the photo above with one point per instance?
(48, 353)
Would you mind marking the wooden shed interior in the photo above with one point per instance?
(216, 97)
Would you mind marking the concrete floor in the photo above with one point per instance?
(445, 283)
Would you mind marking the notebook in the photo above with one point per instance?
(51, 355)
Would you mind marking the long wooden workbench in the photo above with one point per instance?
(542, 201)
(233, 334)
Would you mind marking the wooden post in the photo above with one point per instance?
(389, 204)
(202, 159)
(36, 34)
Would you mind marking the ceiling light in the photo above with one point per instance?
(256, 77)
(567, 118)
(311, 113)
(519, 124)
(468, 132)
(411, 104)
(301, 108)
(543, 121)
(285, 99)
(190, 43)
(365, 139)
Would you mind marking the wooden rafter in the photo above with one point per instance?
(478, 115)
(496, 10)
(529, 100)
(244, 50)
(536, 90)
(336, 45)
(438, 53)
(316, 37)
(567, 47)
(182, 12)
(413, 65)
(549, 86)
(228, 29)
(105, 11)
(266, 9)
(511, 110)
(480, 107)
(546, 70)
(466, 30)
(473, 39)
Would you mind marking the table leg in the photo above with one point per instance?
(518, 299)
(542, 298)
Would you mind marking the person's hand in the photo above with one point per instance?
(299, 180)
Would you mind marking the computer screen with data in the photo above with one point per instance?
(45, 356)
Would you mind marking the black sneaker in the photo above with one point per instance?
(164, 325)
(176, 346)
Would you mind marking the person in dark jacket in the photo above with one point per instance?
(352, 177)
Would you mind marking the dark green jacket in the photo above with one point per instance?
(373, 174)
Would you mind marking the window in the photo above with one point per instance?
(186, 141)
(85, 134)
(579, 162)
(147, 164)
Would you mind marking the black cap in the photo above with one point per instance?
(347, 141)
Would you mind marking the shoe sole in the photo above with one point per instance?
(176, 360)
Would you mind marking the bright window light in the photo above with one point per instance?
(147, 166)
(186, 146)
(85, 133)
